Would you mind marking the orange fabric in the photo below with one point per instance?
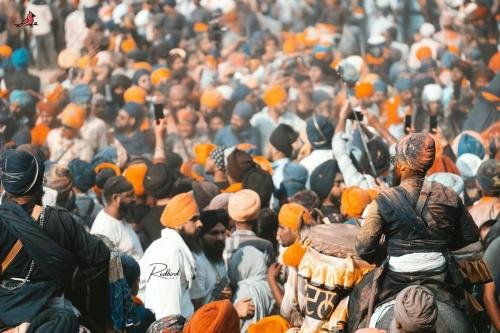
(135, 94)
(135, 174)
(160, 75)
(127, 45)
(290, 46)
(211, 99)
(392, 116)
(137, 300)
(423, 52)
(291, 215)
(214, 317)
(67, 58)
(292, 256)
(111, 166)
(143, 65)
(271, 324)
(274, 96)
(86, 61)
(373, 193)
(453, 49)
(491, 97)
(55, 94)
(236, 187)
(187, 171)
(48, 107)
(202, 151)
(145, 125)
(364, 89)
(494, 63)
(179, 210)
(354, 201)
(246, 147)
(5, 51)
(39, 134)
(443, 164)
(73, 116)
(370, 59)
(200, 27)
(264, 164)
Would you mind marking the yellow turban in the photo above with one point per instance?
(292, 215)
(274, 95)
(135, 175)
(135, 94)
(73, 116)
(201, 151)
(211, 99)
(160, 74)
(179, 210)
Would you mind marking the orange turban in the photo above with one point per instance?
(86, 61)
(48, 107)
(55, 94)
(292, 215)
(274, 96)
(423, 52)
(159, 75)
(215, 317)
(187, 115)
(73, 116)
(264, 164)
(364, 89)
(128, 44)
(111, 166)
(39, 134)
(290, 46)
(354, 201)
(211, 99)
(200, 27)
(179, 210)
(201, 151)
(135, 94)
(271, 324)
(135, 174)
(5, 51)
(143, 65)
(494, 63)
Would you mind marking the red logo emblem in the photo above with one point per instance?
(28, 21)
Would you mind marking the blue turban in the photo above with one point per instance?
(20, 172)
(447, 59)
(319, 132)
(20, 58)
(243, 110)
(403, 84)
(21, 97)
(138, 74)
(131, 269)
(240, 93)
(380, 86)
(323, 178)
(81, 94)
(105, 155)
(82, 174)
(294, 179)
(134, 110)
(469, 144)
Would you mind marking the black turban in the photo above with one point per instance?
(204, 192)
(20, 172)
(379, 152)
(323, 177)
(261, 182)
(54, 321)
(210, 218)
(488, 178)
(238, 163)
(282, 138)
(159, 181)
(116, 185)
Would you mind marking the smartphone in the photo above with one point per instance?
(407, 124)
(159, 112)
(359, 115)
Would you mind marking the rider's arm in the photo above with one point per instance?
(491, 304)
(368, 239)
(467, 231)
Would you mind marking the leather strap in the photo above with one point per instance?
(18, 245)
(421, 208)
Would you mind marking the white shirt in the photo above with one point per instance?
(314, 160)
(120, 233)
(75, 30)
(43, 18)
(94, 131)
(167, 273)
(211, 279)
(278, 167)
(63, 151)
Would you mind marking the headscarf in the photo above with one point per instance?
(215, 317)
(354, 201)
(82, 174)
(211, 99)
(271, 324)
(21, 98)
(81, 94)
(217, 155)
(244, 206)
(135, 94)
(248, 270)
(282, 138)
(20, 172)
(179, 210)
(20, 58)
(415, 309)
(416, 151)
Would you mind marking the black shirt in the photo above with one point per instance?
(151, 225)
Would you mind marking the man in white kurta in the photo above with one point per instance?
(168, 266)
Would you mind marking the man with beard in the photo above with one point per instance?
(127, 130)
(421, 222)
(118, 195)
(211, 282)
(168, 267)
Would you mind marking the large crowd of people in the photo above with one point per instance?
(253, 166)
